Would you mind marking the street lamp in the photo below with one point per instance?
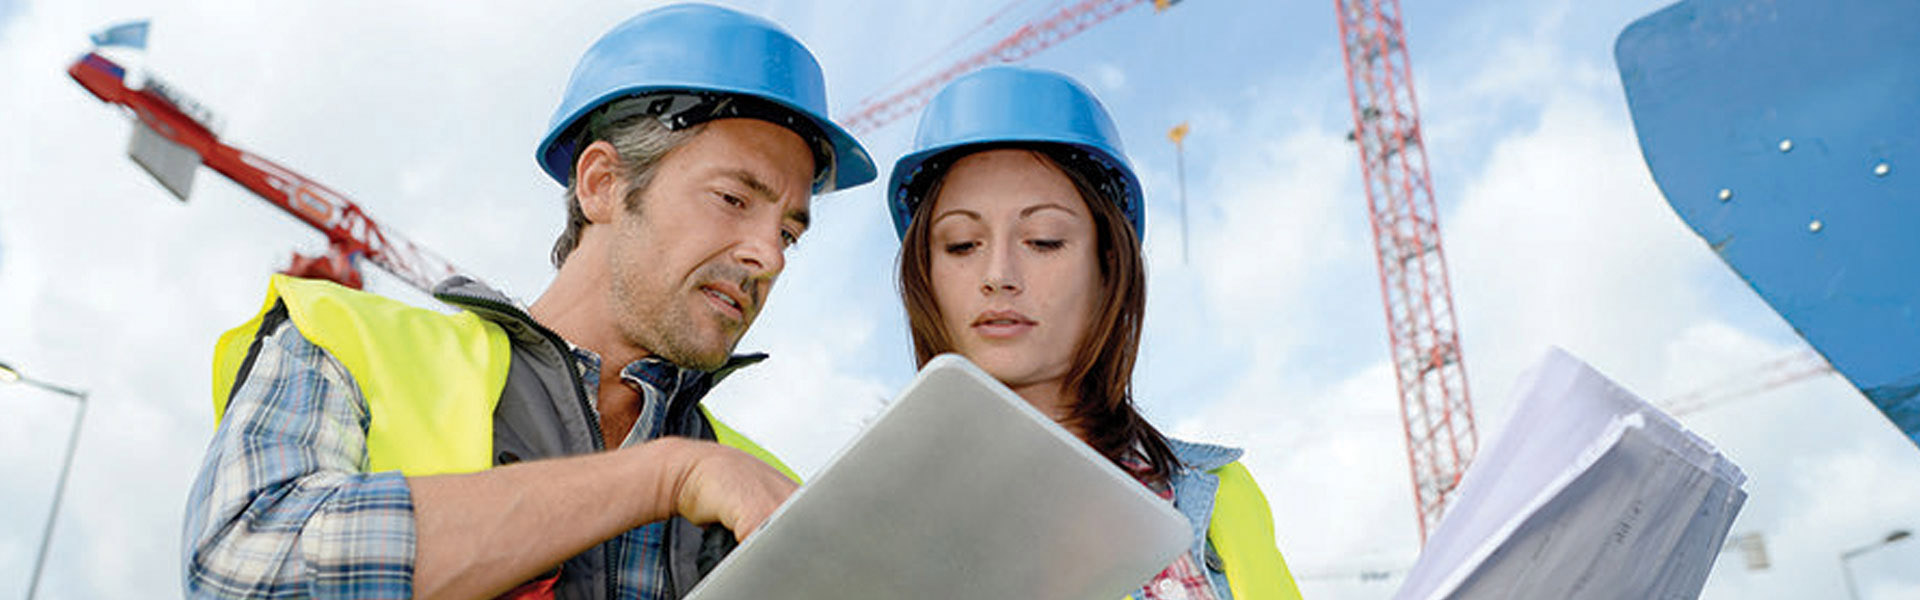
(10, 375)
(1847, 570)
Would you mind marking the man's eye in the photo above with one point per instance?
(788, 238)
(731, 199)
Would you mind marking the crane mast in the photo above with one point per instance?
(1423, 334)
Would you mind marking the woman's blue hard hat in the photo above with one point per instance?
(1008, 106)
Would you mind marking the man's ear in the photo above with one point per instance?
(599, 185)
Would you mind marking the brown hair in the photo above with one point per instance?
(1102, 374)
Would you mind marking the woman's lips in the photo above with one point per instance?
(1002, 324)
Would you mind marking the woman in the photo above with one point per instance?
(1020, 225)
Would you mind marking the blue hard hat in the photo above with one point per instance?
(699, 56)
(1020, 107)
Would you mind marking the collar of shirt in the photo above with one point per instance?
(1202, 457)
(666, 389)
(1190, 487)
(661, 375)
(1194, 486)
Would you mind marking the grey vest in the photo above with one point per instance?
(546, 412)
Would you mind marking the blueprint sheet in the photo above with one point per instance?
(1589, 492)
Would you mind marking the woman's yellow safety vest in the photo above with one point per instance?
(1242, 532)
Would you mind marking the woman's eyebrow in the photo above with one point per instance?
(1028, 211)
(958, 212)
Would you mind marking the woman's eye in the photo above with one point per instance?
(1048, 245)
(961, 247)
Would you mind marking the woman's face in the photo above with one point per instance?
(1014, 266)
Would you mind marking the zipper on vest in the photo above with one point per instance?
(607, 554)
(608, 568)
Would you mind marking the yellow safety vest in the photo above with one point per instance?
(1241, 530)
(431, 380)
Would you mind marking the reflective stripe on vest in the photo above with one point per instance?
(430, 380)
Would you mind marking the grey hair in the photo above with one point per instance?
(641, 141)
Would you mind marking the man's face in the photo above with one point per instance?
(694, 267)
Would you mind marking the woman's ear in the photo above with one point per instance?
(599, 183)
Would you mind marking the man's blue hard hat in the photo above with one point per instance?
(704, 52)
(1007, 106)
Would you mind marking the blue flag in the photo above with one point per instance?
(132, 34)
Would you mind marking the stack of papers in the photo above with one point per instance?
(1590, 492)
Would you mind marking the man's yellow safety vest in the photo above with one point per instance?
(431, 382)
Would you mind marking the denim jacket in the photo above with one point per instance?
(1193, 490)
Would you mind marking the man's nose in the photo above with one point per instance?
(763, 253)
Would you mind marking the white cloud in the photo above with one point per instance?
(1110, 78)
(426, 117)
(1557, 237)
(1269, 337)
(1289, 198)
(1331, 460)
(802, 403)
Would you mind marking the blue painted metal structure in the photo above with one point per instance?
(1786, 133)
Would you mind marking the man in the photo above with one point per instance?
(371, 450)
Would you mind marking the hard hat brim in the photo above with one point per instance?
(851, 167)
(913, 171)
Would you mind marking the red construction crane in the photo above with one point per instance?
(172, 138)
(887, 106)
(1424, 336)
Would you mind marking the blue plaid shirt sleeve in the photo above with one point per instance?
(284, 506)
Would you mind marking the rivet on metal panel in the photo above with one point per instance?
(1815, 226)
(1786, 145)
(1726, 194)
(1881, 169)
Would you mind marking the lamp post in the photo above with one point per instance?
(1847, 570)
(9, 375)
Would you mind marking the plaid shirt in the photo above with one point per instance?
(284, 506)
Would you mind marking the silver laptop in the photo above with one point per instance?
(960, 489)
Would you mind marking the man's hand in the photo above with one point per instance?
(480, 534)
(723, 485)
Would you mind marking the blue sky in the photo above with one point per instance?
(1269, 337)
(7, 8)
